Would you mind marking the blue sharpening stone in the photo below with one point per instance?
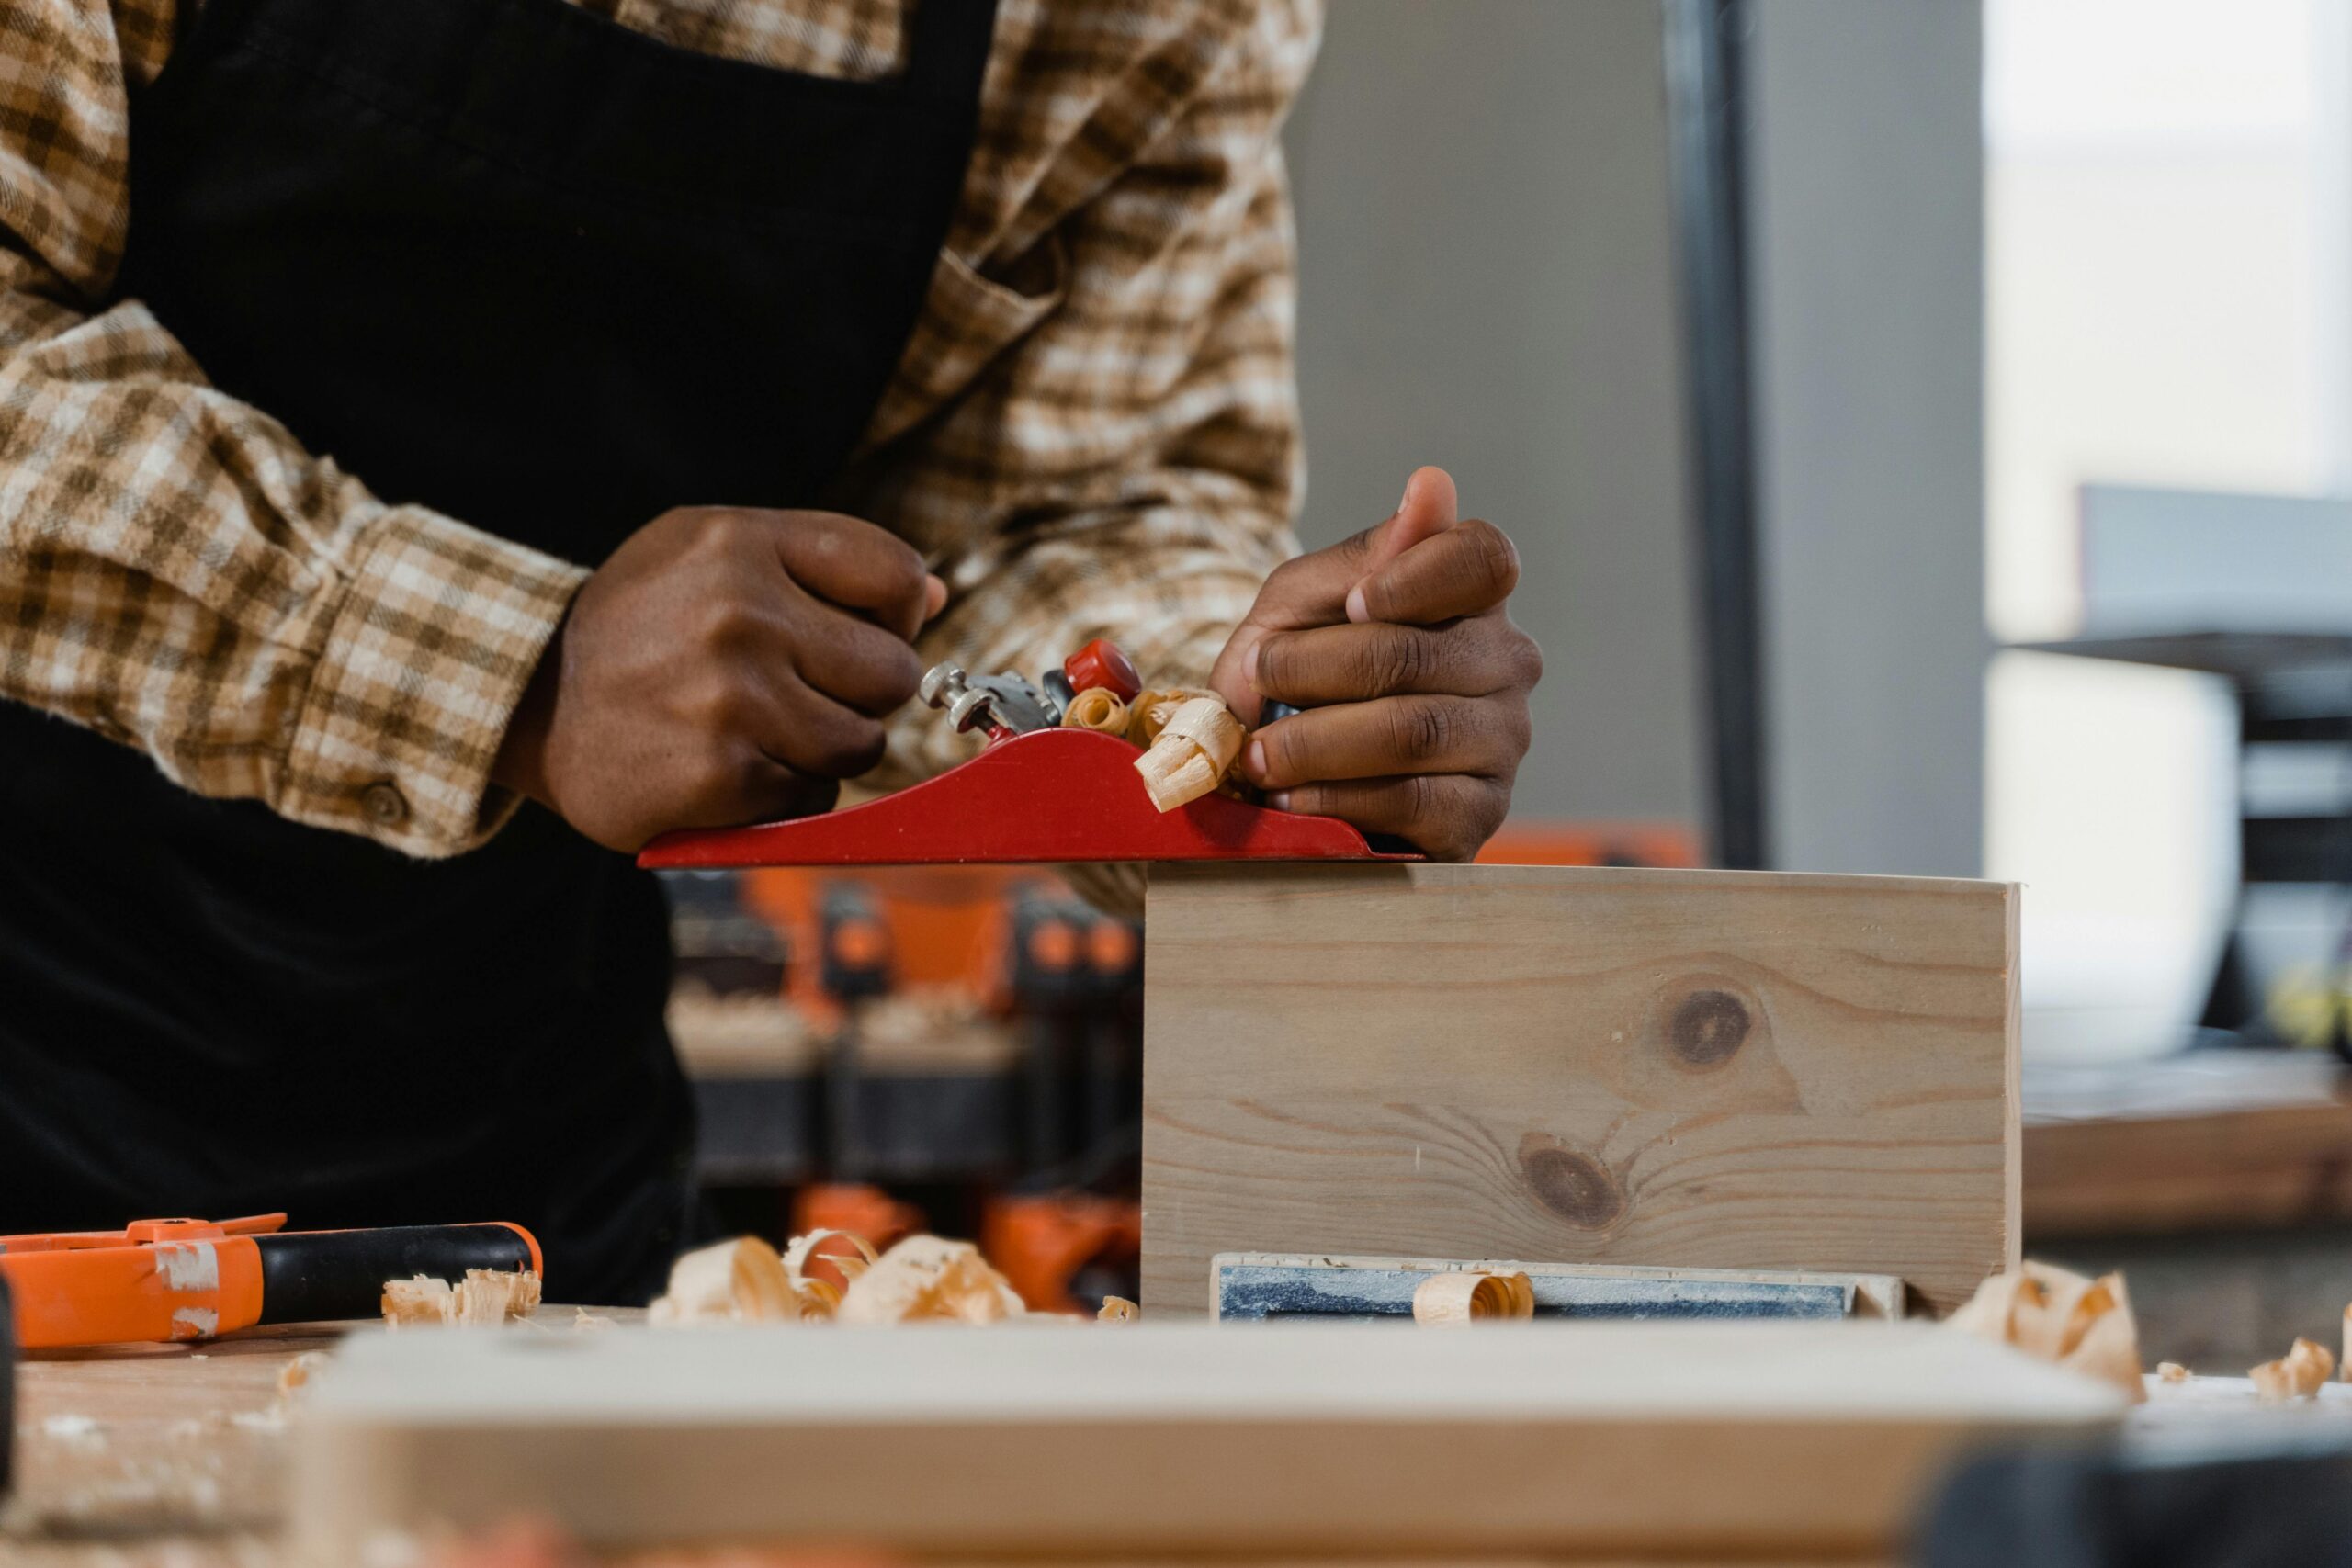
(1250, 1285)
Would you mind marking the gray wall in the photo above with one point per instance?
(1867, 283)
(1486, 284)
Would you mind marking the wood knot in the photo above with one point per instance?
(1571, 1184)
(1707, 1026)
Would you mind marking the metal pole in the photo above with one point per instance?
(1705, 110)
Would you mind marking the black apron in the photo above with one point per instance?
(550, 277)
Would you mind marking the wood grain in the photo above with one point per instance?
(1709, 1069)
(1662, 1439)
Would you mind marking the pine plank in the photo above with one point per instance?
(1711, 1070)
(1678, 1439)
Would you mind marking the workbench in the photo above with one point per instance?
(177, 1456)
(2219, 1183)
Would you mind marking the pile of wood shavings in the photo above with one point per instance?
(923, 1279)
(485, 1298)
(1189, 739)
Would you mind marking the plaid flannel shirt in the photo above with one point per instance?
(1092, 431)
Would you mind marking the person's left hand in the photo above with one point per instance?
(1398, 645)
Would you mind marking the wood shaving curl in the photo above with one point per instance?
(2296, 1376)
(485, 1298)
(1462, 1296)
(740, 1280)
(929, 1279)
(1118, 1309)
(2052, 1315)
(1150, 713)
(1191, 752)
(1097, 708)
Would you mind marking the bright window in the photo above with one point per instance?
(2168, 302)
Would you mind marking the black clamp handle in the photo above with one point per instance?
(316, 1276)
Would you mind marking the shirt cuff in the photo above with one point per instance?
(425, 659)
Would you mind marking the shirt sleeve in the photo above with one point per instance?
(175, 571)
(1128, 465)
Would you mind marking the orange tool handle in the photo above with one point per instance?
(205, 1284)
(171, 1289)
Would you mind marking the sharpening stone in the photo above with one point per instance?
(1259, 1285)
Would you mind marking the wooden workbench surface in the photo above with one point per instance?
(153, 1454)
(2239, 1140)
(171, 1457)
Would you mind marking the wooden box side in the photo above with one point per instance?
(1712, 1070)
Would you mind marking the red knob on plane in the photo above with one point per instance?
(1100, 663)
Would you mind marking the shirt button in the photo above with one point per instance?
(384, 804)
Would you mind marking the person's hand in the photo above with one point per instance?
(1398, 645)
(727, 665)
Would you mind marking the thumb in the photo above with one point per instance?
(1317, 589)
(1429, 508)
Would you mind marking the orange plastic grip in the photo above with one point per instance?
(171, 1289)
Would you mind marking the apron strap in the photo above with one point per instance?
(947, 49)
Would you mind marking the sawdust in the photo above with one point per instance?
(81, 1431)
(296, 1373)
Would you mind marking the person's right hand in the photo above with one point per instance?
(727, 665)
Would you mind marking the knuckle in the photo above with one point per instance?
(888, 668)
(1454, 821)
(848, 748)
(1277, 664)
(1420, 798)
(726, 707)
(1494, 560)
(1518, 730)
(1423, 731)
(1289, 749)
(717, 529)
(1526, 659)
(1401, 660)
(902, 567)
(1286, 577)
(1360, 544)
(902, 673)
(725, 773)
(728, 622)
(746, 773)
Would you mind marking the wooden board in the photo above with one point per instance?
(1066, 1439)
(1707, 1069)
